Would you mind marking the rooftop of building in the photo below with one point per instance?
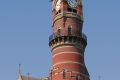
(22, 77)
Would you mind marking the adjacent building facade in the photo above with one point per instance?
(67, 42)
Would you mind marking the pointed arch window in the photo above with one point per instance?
(70, 30)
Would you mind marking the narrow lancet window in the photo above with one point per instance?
(69, 30)
(59, 32)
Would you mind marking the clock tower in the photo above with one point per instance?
(68, 42)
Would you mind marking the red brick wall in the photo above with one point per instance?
(67, 57)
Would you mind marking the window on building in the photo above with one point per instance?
(69, 30)
(64, 74)
(72, 10)
(69, 10)
(59, 32)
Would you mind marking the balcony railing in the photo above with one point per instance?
(53, 36)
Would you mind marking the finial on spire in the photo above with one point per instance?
(19, 68)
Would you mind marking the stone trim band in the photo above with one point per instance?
(56, 54)
(68, 62)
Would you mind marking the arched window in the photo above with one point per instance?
(69, 30)
(59, 32)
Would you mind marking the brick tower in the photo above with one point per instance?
(67, 42)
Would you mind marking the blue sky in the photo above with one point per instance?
(25, 26)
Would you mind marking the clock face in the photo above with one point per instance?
(58, 3)
(72, 3)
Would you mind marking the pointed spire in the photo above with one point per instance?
(19, 69)
(20, 75)
(28, 76)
